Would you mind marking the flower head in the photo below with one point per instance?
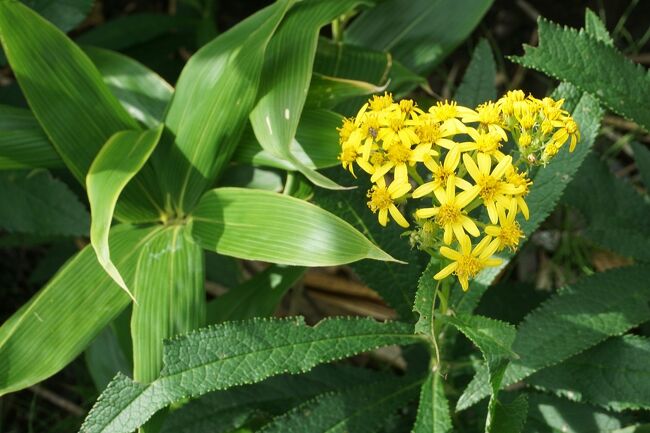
(382, 200)
(467, 262)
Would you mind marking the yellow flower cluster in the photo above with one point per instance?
(451, 156)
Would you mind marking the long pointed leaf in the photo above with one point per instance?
(169, 286)
(117, 163)
(23, 144)
(214, 95)
(66, 94)
(286, 76)
(62, 318)
(262, 225)
(142, 92)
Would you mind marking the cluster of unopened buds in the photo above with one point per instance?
(454, 160)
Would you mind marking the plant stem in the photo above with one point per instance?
(288, 185)
(337, 30)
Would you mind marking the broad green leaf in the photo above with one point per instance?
(420, 33)
(509, 417)
(23, 144)
(615, 374)
(626, 231)
(62, 318)
(285, 79)
(105, 358)
(433, 410)
(142, 92)
(65, 14)
(257, 297)
(169, 285)
(224, 411)
(494, 339)
(548, 187)
(63, 87)
(336, 59)
(121, 158)
(262, 225)
(248, 176)
(396, 283)
(210, 108)
(478, 83)
(37, 204)
(596, 28)
(316, 144)
(642, 159)
(360, 409)
(66, 94)
(133, 29)
(342, 71)
(578, 318)
(593, 66)
(549, 414)
(236, 353)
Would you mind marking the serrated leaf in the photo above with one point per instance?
(66, 94)
(578, 318)
(626, 231)
(479, 81)
(121, 158)
(236, 353)
(37, 204)
(263, 225)
(615, 375)
(642, 159)
(592, 66)
(424, 299)
(23, 144)
(549, 414)
(208, 113)
(257, 297)
(49, 331)
(509, 417)
(285, 79)
(433, 409)
(143, 93)
(493, 338)
(224, 411)
(360, 409)
(420, 33)
(396, 283)
(596, 28)
(169, 285)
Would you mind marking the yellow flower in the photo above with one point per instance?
(440, 174)
(568, 128)
(449, 215)
(398, 156)
(396, 129)
(379, 103)
(447, 113)
(430, 131)
(383, 198)
(512, 102)
(487, 115)
(349, 155)
(521, 181)
(468, 262)
(508, 232)
(487, 142)
(489, 185)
